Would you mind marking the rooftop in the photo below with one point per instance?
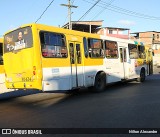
(116, 28)
(145, 32)
(85, 26)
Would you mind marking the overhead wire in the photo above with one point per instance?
(89, 10)
(110, 2)
(120, 10)
(129, 12)
(44, 11)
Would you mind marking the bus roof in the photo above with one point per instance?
(47, 27)
(74, 32)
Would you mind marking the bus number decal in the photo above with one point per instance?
(27, 79)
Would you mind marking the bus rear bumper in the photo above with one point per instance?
(23, 86)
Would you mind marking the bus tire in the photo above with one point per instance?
(142, 76)
(100, 82)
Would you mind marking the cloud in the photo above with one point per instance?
(126, 22)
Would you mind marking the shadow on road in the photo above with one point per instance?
(17, 93)
(51, 98)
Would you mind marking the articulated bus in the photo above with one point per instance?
(48, 58)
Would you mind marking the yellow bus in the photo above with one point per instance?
(145, 56)
(48, 58)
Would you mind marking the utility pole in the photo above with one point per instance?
(69, 12)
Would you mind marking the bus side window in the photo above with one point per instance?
(1, 54)
(64, 52)
(133, 51)
(95, 47)
(111, 49)
(53, 45)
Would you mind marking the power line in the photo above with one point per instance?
(108, 4)
(120, 10)
(131, 13)
(89, 10)
(44, 11)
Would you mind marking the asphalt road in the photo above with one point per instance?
(121, 105)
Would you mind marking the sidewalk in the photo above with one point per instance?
(156, 70)
(153, 77)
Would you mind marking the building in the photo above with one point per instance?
(122, 33)
(85, 26)
(96, 27)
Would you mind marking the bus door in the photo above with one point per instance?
(123, 62)
(76, 64)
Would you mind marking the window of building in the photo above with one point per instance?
(53, 45)
(133, 51)
(110, 31)
(111, 49)
(95, 47)
(153, 36)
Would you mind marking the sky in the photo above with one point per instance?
(136, 15)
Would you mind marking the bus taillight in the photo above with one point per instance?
(34, 70)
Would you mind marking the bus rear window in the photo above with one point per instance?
(18, 39)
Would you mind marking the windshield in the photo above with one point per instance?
(18, 39)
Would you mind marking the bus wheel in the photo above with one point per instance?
(100, 82)
(142, 76)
